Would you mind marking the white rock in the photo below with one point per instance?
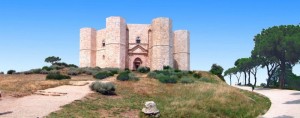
(150, 109)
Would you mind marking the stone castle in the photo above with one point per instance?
(122, 45)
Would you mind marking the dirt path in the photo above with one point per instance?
(285, 103)
(34, 106)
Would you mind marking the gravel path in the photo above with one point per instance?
(34, 106)
(285, 103)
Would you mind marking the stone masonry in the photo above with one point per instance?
(122, 45)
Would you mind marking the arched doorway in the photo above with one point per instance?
(136, 63)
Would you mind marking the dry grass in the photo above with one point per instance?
(22, 85)
(200, 99)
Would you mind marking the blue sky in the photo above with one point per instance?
(221, 31)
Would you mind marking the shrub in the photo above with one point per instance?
(72, 66)
(143, 69)
(56, 67)
(47, 68)
(57, 76)
(126, 69)
(190, 72)
(44, 72)
(90, 71)
(1, 73)
(53, 72)
(151, 75)
(167, 79)
(166, 67)
(102, 75)
(105, 88)
(186, 80)
(123, 76)
(263, 84)
(176, 70)
(197, 75)
(11, 72)
(73, 71)
(133, 77)
(112, 70)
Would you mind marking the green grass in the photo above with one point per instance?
(199, 99)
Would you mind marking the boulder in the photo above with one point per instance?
(150, 109)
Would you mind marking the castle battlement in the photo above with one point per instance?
(121, 45)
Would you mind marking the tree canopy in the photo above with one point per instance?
(52, 59)
(281, 44)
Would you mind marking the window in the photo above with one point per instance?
(103, 43)
(138, 40)
(103, 57)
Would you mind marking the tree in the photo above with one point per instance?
(229, 72)
(217, 70)
(52, 59)
(242, 65)
(237, 74)
(281, 43)
(253, 64)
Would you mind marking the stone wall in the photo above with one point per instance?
(100, 54)
(115, 42)
(182, 49)
(87, 47)
(162, 42)
(159, 45)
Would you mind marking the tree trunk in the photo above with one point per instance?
(230, 79)
(249, 78)
(282, 74)
(245, 78)
(255, 79)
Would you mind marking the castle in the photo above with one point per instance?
(122, 45)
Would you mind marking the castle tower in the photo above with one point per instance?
(101, 43)
(115, 40)
(162, 43)
(182, 50)
(87, 47)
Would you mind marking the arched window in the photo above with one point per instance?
(103, 43)
(138, 40)
(103, 57)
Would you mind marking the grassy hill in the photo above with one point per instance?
(204, 98)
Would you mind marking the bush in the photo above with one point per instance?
(176, 70)
(11, 72)
(167, 79)
(123, 76)
(105, 88)
(72, 66)
(263, 84)
(74, 71)
(197, 75)
(166, 67)
(90, 71)
(143, 69)
(56, 67)
(102, 75)
(53, 72)
(57, 76)
(126, 69)
(44, 72)
(47, 68)
(151, 75)
(186, 80)
(1, 73)
(112, 70)
(133, 77)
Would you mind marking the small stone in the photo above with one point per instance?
(150, 109)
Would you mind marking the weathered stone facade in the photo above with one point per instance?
(122, 45)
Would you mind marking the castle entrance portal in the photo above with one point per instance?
(136, 63)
